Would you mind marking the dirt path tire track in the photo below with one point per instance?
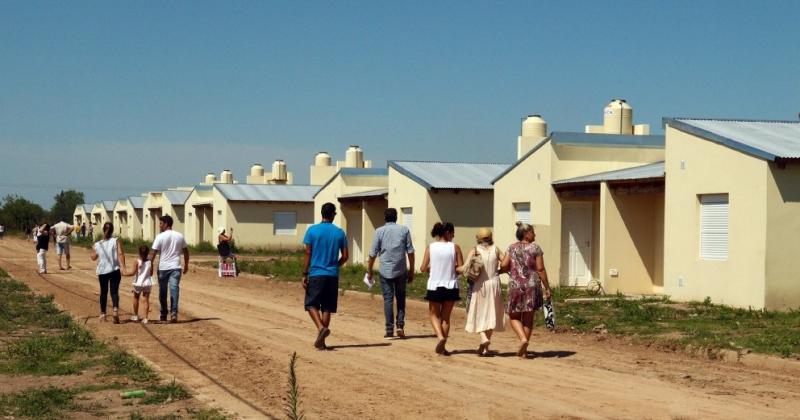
(250, 327)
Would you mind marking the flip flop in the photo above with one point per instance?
(440, 346)
(320, 341)
(523, 350)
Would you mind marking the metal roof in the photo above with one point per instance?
(569, 138)
(87, 208)
(109, 204)
(267, 192)
(176, 198)
(649, 171)
(365, 194)
(354, 172)
(768, 140)
(136, 201)
(450, 175)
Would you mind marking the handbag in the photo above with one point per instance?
(549, 315)
(474, 265)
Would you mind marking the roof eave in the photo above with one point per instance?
(408, 174)
(520, 160)
(716, 138)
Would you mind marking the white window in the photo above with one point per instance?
(408, 217)
(714, 227)
(522, 212)
(285, 223)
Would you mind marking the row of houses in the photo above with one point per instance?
(709, 209)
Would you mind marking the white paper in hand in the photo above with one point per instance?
(368, 281)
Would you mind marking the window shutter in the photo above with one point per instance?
(408, 218)
(714, 227)
(285, 223)
(522, 212)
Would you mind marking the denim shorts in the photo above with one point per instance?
(62, 248)
(322, 293)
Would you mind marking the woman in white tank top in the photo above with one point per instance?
(442, 259)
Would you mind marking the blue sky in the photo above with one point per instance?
(116, 98)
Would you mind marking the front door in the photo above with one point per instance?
(576, 244)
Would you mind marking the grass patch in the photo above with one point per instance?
(38, 403)
(163, 393)
(65, 353)
(208, 414)
(121, 363)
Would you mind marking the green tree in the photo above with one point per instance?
(19, 213)
(64, 206)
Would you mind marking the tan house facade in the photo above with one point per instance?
(121, 218)
(428, 192)
(199, 215)
(82, 214)
(152, 210)
(568, 188)
(102, 212)
(360, 194)
(732, 212)
(135, 215)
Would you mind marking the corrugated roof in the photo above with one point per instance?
(354, 172)
(450, 175)
(87, 207)
(768, 140)
(651, 170)
(136, 201)
(568, 138)
(363, 194)
(259, 192)
(109, 204)
(176, 198)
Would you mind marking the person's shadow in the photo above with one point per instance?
(354, 346)
(558, 354)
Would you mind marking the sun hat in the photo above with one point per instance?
(221, 229)
(484, 235)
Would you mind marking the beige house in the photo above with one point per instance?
(152, 210)
(360, 194)
(120, 215)
(173, 204)
(428, 192)
(270, 216)
(199, 215)
(594, 200)
(732, 212)
(135, 217)
(102, 212)
(82, 214)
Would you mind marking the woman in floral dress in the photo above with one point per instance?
(524, 263)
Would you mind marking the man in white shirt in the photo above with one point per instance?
(61, 239)
(169, 245)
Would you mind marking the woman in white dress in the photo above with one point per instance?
(486, 311)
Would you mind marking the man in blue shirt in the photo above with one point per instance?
(392, 243)
(326, 251)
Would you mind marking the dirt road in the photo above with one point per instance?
(233, 345)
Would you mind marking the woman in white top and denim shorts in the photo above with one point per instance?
(109, 254)
(442, 258)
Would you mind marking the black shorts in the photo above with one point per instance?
(322, 293)
(442, 294)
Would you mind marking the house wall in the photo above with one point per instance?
(152, 210)
(343, 185)
(575, 161)
(710, 168)
(196, 219)
(178, 214)
(135, 217)
(253, 224)
(467, 210)
(120, 221)
(404, 192)
(628, 226)
(783, 224)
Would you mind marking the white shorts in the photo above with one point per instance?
(62, 248)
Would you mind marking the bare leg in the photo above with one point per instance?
(68, 263)
(146, 304)
(435, 312)
(325, 318)
(516, 325)
(314, 314)
(447, 309)
(61, 267)
(527, 324)
(136, 305)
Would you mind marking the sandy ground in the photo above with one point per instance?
(235, 338)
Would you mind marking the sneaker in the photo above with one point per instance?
(134, 318)
(163, 318)
(173, 319)
(102, 317)
(116, 316)
(388, 336)
(144, 321)
(401, 333)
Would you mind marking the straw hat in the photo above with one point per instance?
(484, 235)
(220, 230)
